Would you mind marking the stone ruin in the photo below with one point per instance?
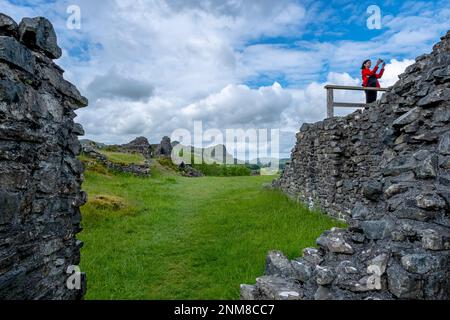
(142, 146)
(139, 145)
(96, 157)
(386, 170)
(164, 149)
(40, 176)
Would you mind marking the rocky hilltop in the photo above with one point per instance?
(40, 176)
(386, 170)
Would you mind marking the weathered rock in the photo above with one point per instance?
(13, 52)
(312, 255)
(442, 114)
(8, 27)
(324, 276)
(372, 190)
(278, 264)
(277, 288)
(431, 240)
(165, 148)
(434, 98)
(301, 270)
(248, 292)
(444, 144)
(40, 176)
(137, 169)
(189, 171)
(64, 87)
(400, 165)
(140, 170)
(39, 33)
(10, 204)
(427, 167)
(359, 211)
(376, 230)
(139, 145)
(11, 92)
(335, 242)
(395, 189)
(407, 118)
(378, 264)
(404, 285)
(430, 201)
(423, 263)
(323, 293)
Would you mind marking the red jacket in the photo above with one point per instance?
(366, 74)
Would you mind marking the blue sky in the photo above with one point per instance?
(150, 67)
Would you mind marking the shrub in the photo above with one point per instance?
(111, 149)
(167, 163)
(216, 170)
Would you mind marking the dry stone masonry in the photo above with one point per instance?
(140, 170)
(139, 145)
(40, 176)
(386, 170)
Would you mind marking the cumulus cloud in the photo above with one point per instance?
(149, 67)
(117, 86)
(393, 70)
(238, 105)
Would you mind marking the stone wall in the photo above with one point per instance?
(333, 159)
(140, 170)
(139, 145)
(387, 171)
(40, 176)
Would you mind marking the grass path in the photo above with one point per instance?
(180, 238)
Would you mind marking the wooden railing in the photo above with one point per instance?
(331, 104)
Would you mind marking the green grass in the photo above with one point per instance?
(216, 170)
(169, 237)
(123, 158)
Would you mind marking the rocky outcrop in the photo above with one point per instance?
(140, 170)
(189, 171)
(386, 170)
(139, 145)
(40, 176)
(164, 149)
(38, 33)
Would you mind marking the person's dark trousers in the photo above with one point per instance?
(371, 96)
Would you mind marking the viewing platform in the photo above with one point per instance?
(331, 104)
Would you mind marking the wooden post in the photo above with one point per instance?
(330, 98)
(330, 102)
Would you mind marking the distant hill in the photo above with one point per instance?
(267, 162)
(217, 154)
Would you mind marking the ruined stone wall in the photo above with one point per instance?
(333, 159)
(40, 176)
(387, 170)
(139, 145)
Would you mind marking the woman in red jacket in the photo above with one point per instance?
(370, 78)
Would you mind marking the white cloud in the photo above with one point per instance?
(393, 70)
(238, 106)
(150, 67)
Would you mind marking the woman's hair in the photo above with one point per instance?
(364, 64)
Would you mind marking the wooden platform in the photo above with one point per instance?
(331, 104)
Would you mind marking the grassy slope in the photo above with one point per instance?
(123, 158)
(180, 238)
